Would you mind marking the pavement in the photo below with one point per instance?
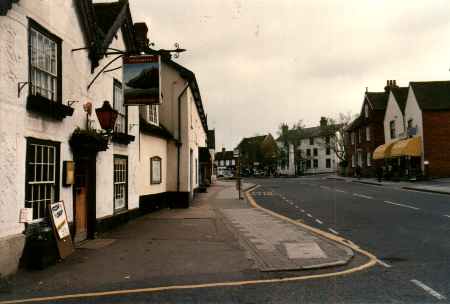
(441, 186)
(219, 239)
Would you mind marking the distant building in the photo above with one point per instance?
(259, 152)
(366, 132)
(416, 131)
(225, 163)
(313, 152)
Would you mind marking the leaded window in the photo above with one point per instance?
(42, 175)
(153, 114)
(121, 121)
(120, 182)
(44, 52)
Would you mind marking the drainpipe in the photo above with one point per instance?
(178, 143)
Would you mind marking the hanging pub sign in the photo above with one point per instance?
(142, 80)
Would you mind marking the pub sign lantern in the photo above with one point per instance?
(142, 80)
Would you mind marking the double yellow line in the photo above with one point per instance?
(371, 262)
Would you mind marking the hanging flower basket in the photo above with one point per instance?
(88, 141)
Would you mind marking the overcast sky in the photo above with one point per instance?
(262, 62)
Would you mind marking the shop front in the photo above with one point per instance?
(402, 158)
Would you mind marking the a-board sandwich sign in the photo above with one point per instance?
(61, 229)
(142, 80)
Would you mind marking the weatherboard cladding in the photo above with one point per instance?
(432, 95)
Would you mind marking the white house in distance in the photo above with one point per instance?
(52, 149)
(313, 155)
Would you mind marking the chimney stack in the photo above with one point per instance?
(223, 150)
(140, 33)
(323, 121)
(390, 84)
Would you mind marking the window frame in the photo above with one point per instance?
(315, 152)
(367, 133)
(315, 163)
(33, 25)
(311, 141)
(57, 145)
(328, 151)
(155, 158)
(328, 163)
(125, 207)
(151, 113)
(116, 82)
(392, 129)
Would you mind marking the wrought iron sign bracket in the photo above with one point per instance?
(71, 102)
(121, 53)
(20, 87)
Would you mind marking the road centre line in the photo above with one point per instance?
(362, 195)
(341, 191)
(309, 215)
(319, 221)
(446, 215)
(402, 205)
(333, 231)
(384, 264)
(428, 289)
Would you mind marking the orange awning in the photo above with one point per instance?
(407, 147)
(383, 151)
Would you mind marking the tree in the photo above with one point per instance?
(334, 129)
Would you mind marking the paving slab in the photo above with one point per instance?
(279, 245)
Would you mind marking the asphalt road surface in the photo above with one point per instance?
(408, 231)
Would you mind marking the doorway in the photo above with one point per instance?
(84, 189)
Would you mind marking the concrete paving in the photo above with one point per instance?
(279, 245)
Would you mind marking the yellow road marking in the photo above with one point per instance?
(372, 261)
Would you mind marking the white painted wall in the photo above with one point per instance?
(192, 134)
(319, 144)
(413, 111)
(150, 147)
(393, 113)
(16, 123)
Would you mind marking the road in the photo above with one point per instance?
(408, 231)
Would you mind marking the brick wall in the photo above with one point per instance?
(436, 129)
(375, 123)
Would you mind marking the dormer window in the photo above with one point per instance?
(366, 111)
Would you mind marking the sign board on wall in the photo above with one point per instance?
(142, 80)
(26, 215)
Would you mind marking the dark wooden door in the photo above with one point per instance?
(81, 200)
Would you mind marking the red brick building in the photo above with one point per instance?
(366, 133)
(428, 115)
